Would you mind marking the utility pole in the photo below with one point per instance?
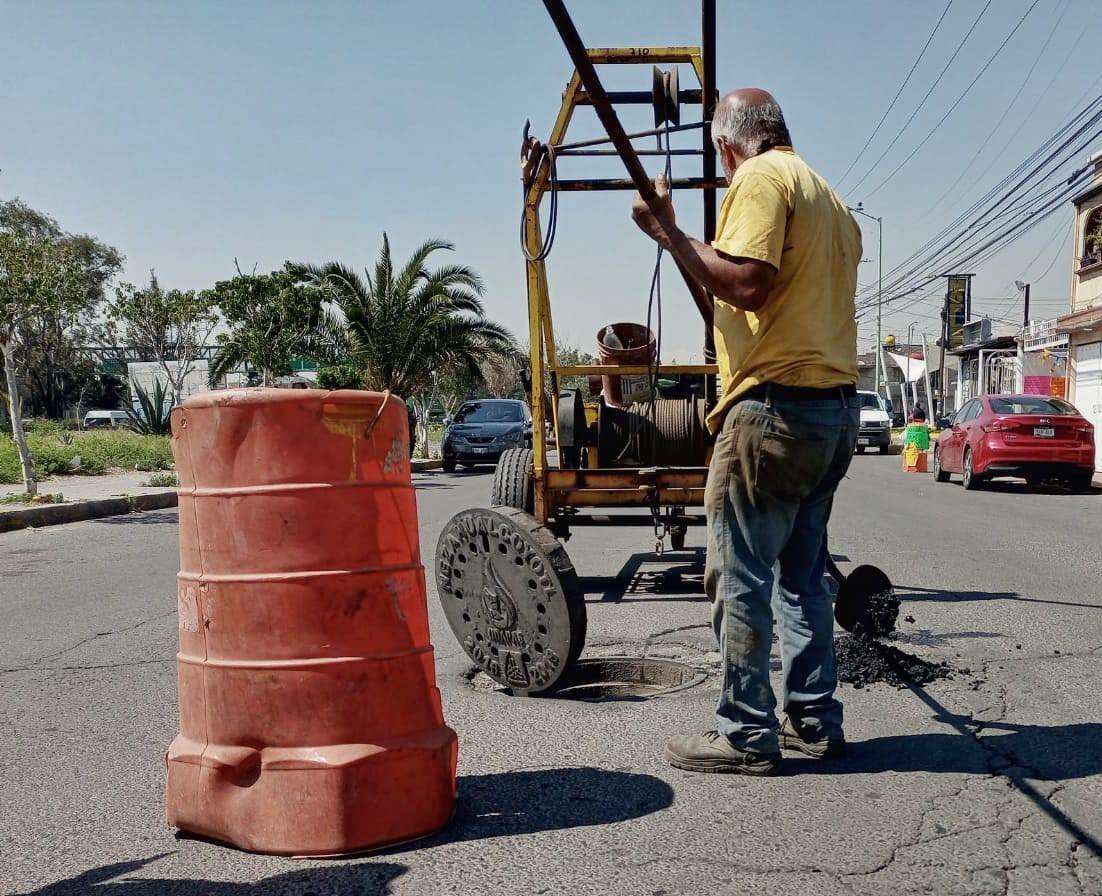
(1025, 312)
(879, 289)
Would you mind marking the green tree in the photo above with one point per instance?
(567, 354)
(272, 318)
(447, 388)
(170, 326)
(400, 325)
(56, 370)
(38, 276)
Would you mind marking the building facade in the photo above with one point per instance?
(1083, 325)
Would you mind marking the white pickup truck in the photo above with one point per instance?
(876, 424)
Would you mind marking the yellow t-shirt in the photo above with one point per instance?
(779, 211)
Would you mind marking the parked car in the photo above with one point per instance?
(103, 419)
(481, 430)
(1030, 436)
(876, 425)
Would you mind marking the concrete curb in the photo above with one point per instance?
(421, 466)
(55, 514)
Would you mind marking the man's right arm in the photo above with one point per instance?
(739, 281)
(741, 270)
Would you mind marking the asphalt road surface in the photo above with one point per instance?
(990, 782)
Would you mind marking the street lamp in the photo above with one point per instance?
(859, 209)
(910, 344)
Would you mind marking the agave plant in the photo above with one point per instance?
(401, 325)
(153, 418)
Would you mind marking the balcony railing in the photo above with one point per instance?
(1090, 259)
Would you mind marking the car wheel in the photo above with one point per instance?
(1081, 480)
(448, 465)
(884, 449)
(970, 479)
(940, 474)
(860, 449)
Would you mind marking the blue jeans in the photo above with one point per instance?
(774, 470)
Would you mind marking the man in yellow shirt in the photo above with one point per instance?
(783, 270)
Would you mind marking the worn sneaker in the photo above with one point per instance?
(826, 748)
(712, 752)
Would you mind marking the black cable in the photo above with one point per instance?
(552, 213)
(654, 301)
(918, 108)
(950, 237)
(1011, 234)
(1006, 111)
(899, 92)
(957, 102)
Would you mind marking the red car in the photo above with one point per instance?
(1030, 436)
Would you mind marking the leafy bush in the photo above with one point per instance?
(42, 426)
(341, 376)
(162, 480)
(98, 450)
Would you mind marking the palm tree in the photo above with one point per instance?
(401, 326)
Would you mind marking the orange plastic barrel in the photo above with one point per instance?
(310, 721)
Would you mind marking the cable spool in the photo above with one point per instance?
(669, 432)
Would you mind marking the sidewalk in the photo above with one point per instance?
(85, 498)
(91, 497)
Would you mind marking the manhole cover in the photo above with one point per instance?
(612, 678)
(511, 596)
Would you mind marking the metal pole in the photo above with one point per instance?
(879, 290)
(708, 103)
(929, 394)
(587, 74)
(1025, 314)
(910, 343)
(879, 284)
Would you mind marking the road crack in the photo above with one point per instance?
(37, 663)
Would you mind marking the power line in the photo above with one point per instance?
(898, 93)
(958, 101)
(918, 108)
(1032, 168)
(1006, 111)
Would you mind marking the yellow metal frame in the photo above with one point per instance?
(556, 489)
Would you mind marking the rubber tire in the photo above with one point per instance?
(448, 466)
(969, 479)
(940, 474)
(860, 449)
(884, 449)
(1081, 482)
(513, 485)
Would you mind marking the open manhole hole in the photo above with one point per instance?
(606, 678)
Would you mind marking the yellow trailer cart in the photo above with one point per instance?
(505, 581)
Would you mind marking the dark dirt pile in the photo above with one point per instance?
(862, 661)
(878, 619)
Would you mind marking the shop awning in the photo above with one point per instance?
(1087, 319)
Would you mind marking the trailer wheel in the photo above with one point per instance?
(513, 485)
(511, 596)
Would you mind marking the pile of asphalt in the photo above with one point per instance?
(879, 616)
(863, 661)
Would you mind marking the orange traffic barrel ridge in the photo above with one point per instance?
(310, 720)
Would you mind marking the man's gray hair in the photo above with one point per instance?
(751, 128)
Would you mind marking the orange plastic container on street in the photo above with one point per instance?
(310, 721)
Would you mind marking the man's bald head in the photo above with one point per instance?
(749, 122)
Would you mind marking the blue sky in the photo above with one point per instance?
(188, 134)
